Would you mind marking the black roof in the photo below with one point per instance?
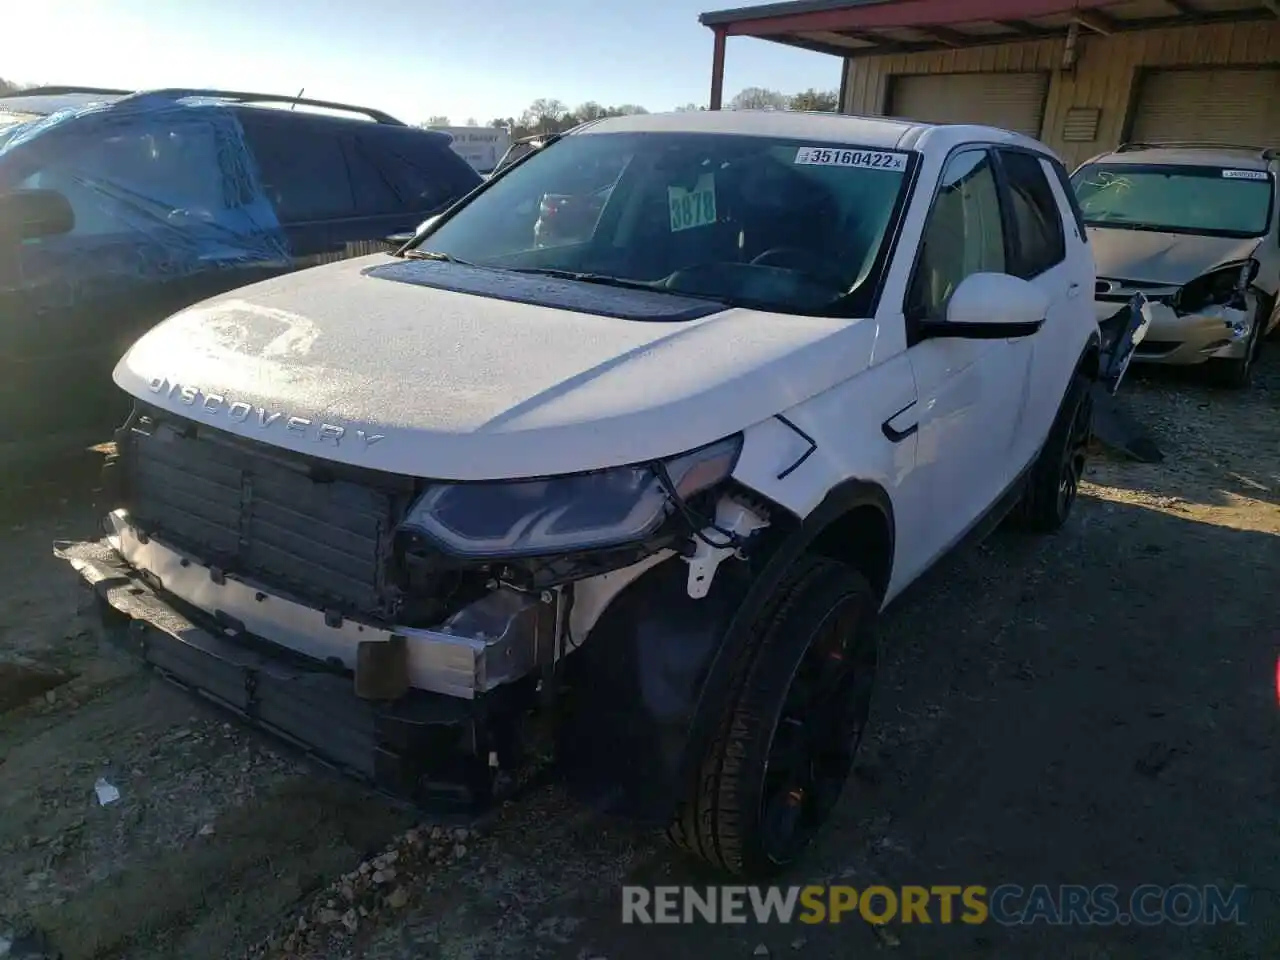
(46, 100)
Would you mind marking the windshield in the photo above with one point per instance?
(781, 225)
(1175, 199)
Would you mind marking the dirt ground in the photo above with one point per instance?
(1096, 707)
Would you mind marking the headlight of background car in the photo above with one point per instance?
(1224, 286)
(514, 518)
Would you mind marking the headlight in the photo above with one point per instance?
(514, 518)
(1224, 286)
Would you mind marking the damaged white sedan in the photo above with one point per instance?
(632, 499)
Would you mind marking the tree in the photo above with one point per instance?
(438, 121)
(471, 122)
(690, 108)
(544, 116)
(758, 98)
(502, 123)
(822, 101)
(627, 110)
(8, 86)
(589, 111)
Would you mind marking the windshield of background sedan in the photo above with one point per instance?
(784, 225)
(1175, 199)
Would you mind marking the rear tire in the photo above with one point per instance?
(1054, 484)
(796, 712)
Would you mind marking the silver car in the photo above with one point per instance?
(1194, 228)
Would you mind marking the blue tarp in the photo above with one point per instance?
(160, 187)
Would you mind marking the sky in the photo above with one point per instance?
(463, 59)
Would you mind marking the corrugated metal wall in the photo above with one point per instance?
(1104, 77)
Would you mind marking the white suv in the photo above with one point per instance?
(635, 499)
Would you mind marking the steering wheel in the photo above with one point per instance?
(801, 261)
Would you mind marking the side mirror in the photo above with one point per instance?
(33, 214)
(400, 239)
(992, 306)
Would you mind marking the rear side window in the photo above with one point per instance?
(422, 170)
(1041, 244)
(302, 167)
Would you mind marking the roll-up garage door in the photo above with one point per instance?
(1014, 101)
(1214, 106)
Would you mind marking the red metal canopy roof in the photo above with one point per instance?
(860, 27)
(852, 28)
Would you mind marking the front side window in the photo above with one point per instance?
(148, 173)
(1041, 243)
(775, 224)
(1167, 198)
(964, 234)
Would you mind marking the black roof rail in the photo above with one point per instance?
(1264, 152)
(239, 96)
(233, 96)
(59, 91)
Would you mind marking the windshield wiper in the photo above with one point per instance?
(437, 256)
(603, 279)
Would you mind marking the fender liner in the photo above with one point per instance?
(653, 681)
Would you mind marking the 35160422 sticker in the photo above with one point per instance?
(861, 159)
(1245, 174)
(694, 207)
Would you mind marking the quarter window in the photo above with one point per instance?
(1041, 244)
(963, 234)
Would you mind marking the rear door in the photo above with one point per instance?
(1040, 256)
(304, 173)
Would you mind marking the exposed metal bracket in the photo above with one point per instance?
(714, 547)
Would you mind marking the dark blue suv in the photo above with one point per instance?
(118, 209)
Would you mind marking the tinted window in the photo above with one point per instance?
(1041, 244)
(1175, 199)
(424, 172)
(776, 224)
(1064, 181)
(963, 235)
(374, 193)
(302, 167)
(164, 173)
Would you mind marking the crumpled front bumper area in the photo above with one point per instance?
(427, 748)
(1183, 339)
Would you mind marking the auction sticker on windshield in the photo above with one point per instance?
(865, 159)
(693, 208)
(1244, 174)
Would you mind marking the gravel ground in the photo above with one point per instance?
(1096, 707)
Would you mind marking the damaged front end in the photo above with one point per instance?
(1209, 318)
(410, 632)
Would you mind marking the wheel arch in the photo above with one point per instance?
(653, 681)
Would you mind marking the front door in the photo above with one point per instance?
(970, 392)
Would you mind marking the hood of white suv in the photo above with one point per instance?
(412, 379)
(1169, 258)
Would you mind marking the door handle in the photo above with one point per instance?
(902, 424)
(1073, 291)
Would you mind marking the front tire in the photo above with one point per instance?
(797, 710)
(1054, 484)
